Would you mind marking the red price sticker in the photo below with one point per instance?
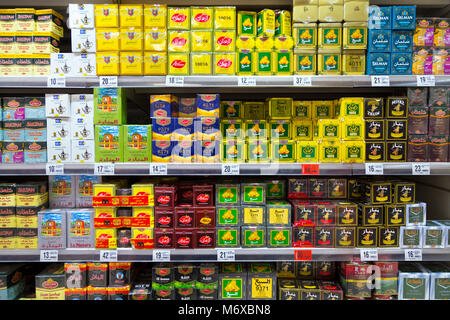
(310, 169)
(303, 255)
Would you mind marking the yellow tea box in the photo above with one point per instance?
(48, 20)
(307, 151)
(131, 39)
(7, 43)
(8, 20)
(353, 129)
(45, 42)
(225, 18)
(302, 109)
(305, 13)
(106, 15)
(178, 41)
(331, 12)
(201, 41)
(254, 110)
(356, 10)
(283, 62)
(245, 64)
(353, 62)
(284, 43)
(264, 62)
(155, 39)
(330, 151)
(305, 62)
(351, 107)
(231, 109)
(107, 63)
(178, 18)
(305, 35)
(329, 129)
(105, 212)
(245, 43)
(256, 129)
(201, 63)
(280, 129)
(41, 66)
(24, 42)
(105, 190)
(257, 150)
(155, 63)
(107, 233)
(224, 63)
(283, 151)
(280, 108)
(247, 23)
(107, 39)
(264, 43)
(283, 23)
(25, 20)
(131, 63)
(353, 152)
(131, 15)
(201, 18)
(224, 41)
(266, 23)
(155, 15)
(329, 62)
(330, 35)
(322, 109)
(233, 151)
(302, 130)
(355, 35)
(178, 64)
(232, 129)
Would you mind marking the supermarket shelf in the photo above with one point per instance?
(241, 254)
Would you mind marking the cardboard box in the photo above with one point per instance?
(109, 106)
(83, 151)
(109, 143)
(50, 283)
(59, 151)
(137, 147)
(52, 229)
(62, 191)
(80, 228)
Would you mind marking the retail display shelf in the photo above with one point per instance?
(211, 255)
(254, 169)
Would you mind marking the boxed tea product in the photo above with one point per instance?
(109, 106)
(80, 228)
(109, 143)
(404, 192)
(75, 275)
(253, 193)
(394, 215)
(388, 237)
(433, 235)
(276, 189)
(261, 282)
(227, 194)
(50, 282)
(227, 237)
(324, 237)
(62, 189)
(278, 212)
(254, 215)
(232, 282)
(85, 190)
(57, 105)
(253, 236)
(288, 289)
(439, 278)
(411, 237)
(345, 237)
(97, 274)
(417, 148)
(367, 237)
(52, 228)
(228, 216)
(137, 148)
(279, 236)
(414, 282)
(303, 237)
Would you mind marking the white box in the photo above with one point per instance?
(58, 129)
(83, 151)
(59, 151)
(61, 64)
(85, 64)
(57, 105)
(81, 16)
(82, 106)
(82, 128)
(83, 40)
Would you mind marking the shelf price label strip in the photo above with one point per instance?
(161, 255)
(369, 254)
(108, 81)
(303, 255)
(226, 255)
(101, 169)
(421, 169)
(122, 222)
(230, 169)
(54, 169)
(49, 255)
(310, 169)
(123, 201)
(108, 255)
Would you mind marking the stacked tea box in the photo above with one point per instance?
(390, 40)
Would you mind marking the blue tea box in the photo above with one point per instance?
(402, 41)
(14, 131)
(35, 130)
(380, 17)
(207, 151)
(208, 105)
(184, 151)
(380, 40)
(401, 63)
(35, 152)
(162, 150)
(404, 17)
(378, 63)
(34, 108)
(184, 129)
(162, 128)
(207, 128)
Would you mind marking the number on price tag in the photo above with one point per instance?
(52, 169)
(302, 81)
(108, 81)
(421, 169)
(246, 81)
(374, 169)
(230, 169)
(303, 255)
(369, 254)
(174, 81)
(161, 255)
(310, 169)
(158, 169)
(426, 81)
(380, 81)
(102, 169)
(49, 256)
(413, 255)
(226, 255)
(56, 82)
(108, 255)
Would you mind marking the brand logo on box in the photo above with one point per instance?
(178, 17)
(178, 64)
(205, 240)
(184, 241)
(202, 17)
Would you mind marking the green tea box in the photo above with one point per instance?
(109, 142)
(110, 107)
(253, 193)
(276, 189)
(416, 214)
(278, 212)
(228, 194)
(439, 280)
(433, 235)
(227, 237)
(413, 282)
(232, 282)
(253, 236)
(411, 237)
(228, 216)
(279, 237)
(137, 146)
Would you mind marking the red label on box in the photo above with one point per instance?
(121, 201)
(310, 169)
(142, 243)
(303, 255)
(122, 222)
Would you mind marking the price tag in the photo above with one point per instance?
(310, 169)
(108, 81)
(421, 169)
(56, 82)
(161, 255)
(380, 81)
(174, 81)
(158, 169)
(426, 81)
(303, 255)
(102, 169)
(230, 169)
(246, 81)
(369, 254)
(413, 255)
(226, 255)
(49, 256)
(52, 169)
(374, 169)
(108, 255)
(302, 81)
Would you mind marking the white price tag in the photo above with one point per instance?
(230, 169)
(302, 81)
(108, 255)
(49, 256)
(56, 82)
(52, 169)
(158, 169)
(108, 81)
(426, 81)
(374, 169)
(226, 255)
(161, 255)
(246, 81)
(104, 169)
(380, 81)
(174, 81)
(421, 169)
(369, 254)
(413, 255)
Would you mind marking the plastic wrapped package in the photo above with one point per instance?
(356, 10)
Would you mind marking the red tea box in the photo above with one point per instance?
(184, 216)
(164, 217)
(203, 195)
(205, 217)
(205, 238)
(165, 196)
(164, 238)
(184, 238)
